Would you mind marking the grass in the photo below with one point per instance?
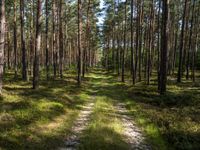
(171, 121)
(41, 119)
(105, 129)
(38, 119)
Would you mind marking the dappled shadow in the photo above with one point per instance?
(183, 140)
(103, 138)
(179, 107)
(144, 94)
(103, 84)
(27, 107)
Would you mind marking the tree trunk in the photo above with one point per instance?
(61, 40)
(190, 41)
(37, 45)
(47, 45)
(164, 47)
(79, 41)
(24, 66)
(123, 51)
(54, 39)
(180, 67)
(132, 47)
(15, 39)
(2, 40)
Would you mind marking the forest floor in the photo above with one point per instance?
(111, 113)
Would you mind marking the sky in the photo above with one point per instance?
(101, 18)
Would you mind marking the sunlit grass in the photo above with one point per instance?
(38, 119)
(105, 129)
(41, 119)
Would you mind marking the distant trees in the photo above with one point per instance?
(48, 42)
(134, 37)
(149, 45)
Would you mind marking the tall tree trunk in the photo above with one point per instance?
(132, 47)
(123, 51)
(61, 40)
(2, 40)
(37, 45)
(180, 67)
(158, 46)
(150, 43)
(47, 45)
(15, 39)
(87, 41)
(164, 47)
(79, 41)
(54, 39)
(190, 41)
(24, 66)
(140, 40)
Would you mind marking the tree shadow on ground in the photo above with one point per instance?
(170, 112)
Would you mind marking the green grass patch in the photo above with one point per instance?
(105, 129)
(39, 119)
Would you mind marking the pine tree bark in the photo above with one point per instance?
(15, 39)
(37, 45)
(47, 39)
(190, 41)
(158, 45)
(54, 39)
(23, 48)
(123, 51)
(140, 40)
(164, 47)
(79, 41)
(180, 68)
(2, 41)
(61, 40)
(132, 47)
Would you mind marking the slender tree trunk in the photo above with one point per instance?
(54, 39)
(123, 51)
(37, 45)
(61, 40)
(47, 40)
(79, 41)
(175, 49)
(15, 39)
(8, 47)
(164, 47)
(87, 41)
(24, 66)
(180, 68)
(190, 41)
(132, 47)
(140, 41)
(150, 44)
(2, 40)
(158, 46)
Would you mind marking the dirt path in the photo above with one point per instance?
(72, 141)
(132, 134)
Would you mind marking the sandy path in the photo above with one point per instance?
(132, 134)
(72, 141)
